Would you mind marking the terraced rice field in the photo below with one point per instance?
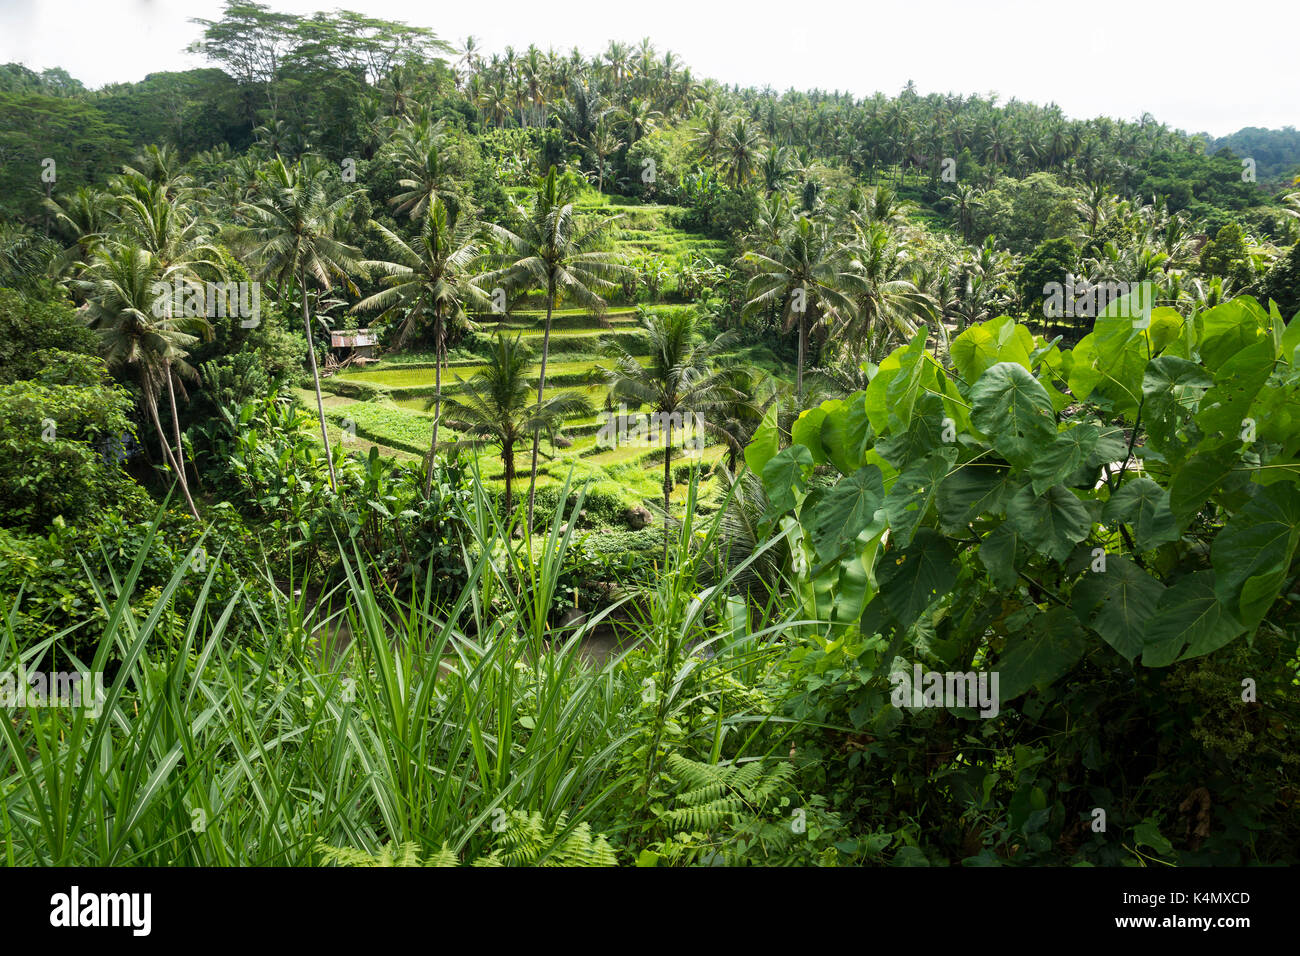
(385, 404)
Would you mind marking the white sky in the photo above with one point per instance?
(1193, 64)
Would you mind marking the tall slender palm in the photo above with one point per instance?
(295, 234)
(804, 273)
(680, 379)
(604, 143)
(429, 280)
(554, 253)
(124, 307)
(495, 406)
(154, 210)
(964, 200)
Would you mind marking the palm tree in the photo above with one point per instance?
(711, 135)
(295, 235)
(416, 149)
(738, 418)
(139, 331)
(965, 199)
(775, 168)
(494, 406)
(24, 255)
(679, 380)
(554, 254)
(84, 217)
(740, 149)
(604, 143)
(886, 301)
(805, 272)
(429, 279)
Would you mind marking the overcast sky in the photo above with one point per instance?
(1194, 65)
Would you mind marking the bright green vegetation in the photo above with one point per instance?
(349, 614)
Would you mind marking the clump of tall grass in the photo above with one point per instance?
(435, 720)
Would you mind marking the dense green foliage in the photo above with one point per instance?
(808, 391)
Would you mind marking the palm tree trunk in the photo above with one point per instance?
(541, 387)
(315, 378)
(437, 413)
(167, 452)
(176, 427)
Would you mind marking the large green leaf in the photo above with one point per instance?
(807, 430)
(1171, 388)
(857, 582)
(1044, 650)
(913, 493)
(763, 446)
(914, 578)
(1051, 523)
(1223, 408)
(1071, 449)
(1291, 341)
(1117, 603)
(1143, 505)
(840, 513)
(1228, 328)
(973, 490)
(1276, 411)
(998, 555)
(1189, 621)
(1013, 409)
(1252, 555)
(785, 477)
(1198, 478)
(987, 343)
(922, 435)
(845, 433)
(892, 392)
(1118, 379)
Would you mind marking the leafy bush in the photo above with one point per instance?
(60, 446)
(994, 517)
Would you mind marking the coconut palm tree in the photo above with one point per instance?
(805, 273)
(711, 135)
(24, 255)
(964, 200)
(295, 234)
(495, 406)
(886, 302)
(554, 253)
(429, 280)
(681, 379)
(739, 417)
(84, 217)
(140, 330)
(416, 150)
(604, 143)
(740, 151)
